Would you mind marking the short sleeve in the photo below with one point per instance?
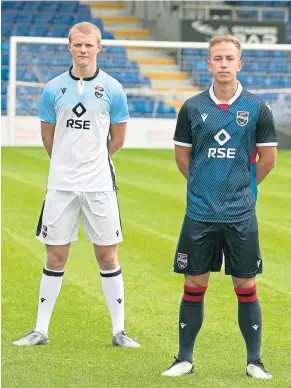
(183, 133)
(47, 110)
(265, 129)
(119, 109)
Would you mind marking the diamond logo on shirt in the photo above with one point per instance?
(222, 137)
(79, 109)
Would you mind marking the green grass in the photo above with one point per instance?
(152, 201)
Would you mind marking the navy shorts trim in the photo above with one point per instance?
(202, 246)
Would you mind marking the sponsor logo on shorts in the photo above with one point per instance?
(182, 260)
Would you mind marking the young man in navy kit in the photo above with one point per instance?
(218, 133)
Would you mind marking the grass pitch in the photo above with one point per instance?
(152, 202)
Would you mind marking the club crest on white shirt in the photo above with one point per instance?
(99, 91)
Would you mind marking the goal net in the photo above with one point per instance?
(157, 76)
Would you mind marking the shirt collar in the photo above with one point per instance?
(235, 97)
(85, 79)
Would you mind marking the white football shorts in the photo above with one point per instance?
(62, 211)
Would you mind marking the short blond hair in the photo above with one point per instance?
(225, 38)
(85, 28)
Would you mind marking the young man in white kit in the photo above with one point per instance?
(79, 109)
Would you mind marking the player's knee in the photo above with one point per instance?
(245, 290)
(107, 261)
(56, 259)
(197, 281)
(243, 283)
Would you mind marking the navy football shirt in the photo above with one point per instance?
(223, 138)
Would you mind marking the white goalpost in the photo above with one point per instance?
(172, 51)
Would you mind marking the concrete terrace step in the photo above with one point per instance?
(158, 68)
(165, 75)
(171, 83)
(132, 33)
(121, 26)
(144, 52)
(106, 5)
(120, 19)
(153, 61)
(108, 12)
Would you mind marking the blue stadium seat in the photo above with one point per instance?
(279, 54)
(38, 30)
(4, 46)
(263, 66)
(67, 7)
(3, 105)
(5, 58)
(28, 5)
(143, 80)
(272, 81)
(6, 30)
(24, 18)
(61, 19)
(107, 35)
(42, 18)
(20, 30)
(58, 32)
(49, 5)
(98, 23)
(4, 73)
(114, 50)
(201, 66)
(3, 88)
(8, 17)
(10, 5)
(204, 79)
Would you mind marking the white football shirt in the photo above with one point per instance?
(82, 114)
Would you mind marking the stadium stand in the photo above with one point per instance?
(134, 68)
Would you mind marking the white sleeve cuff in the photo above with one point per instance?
(266, 144)
(182, 144)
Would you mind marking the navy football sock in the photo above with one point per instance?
(190, 320)
(250, 321)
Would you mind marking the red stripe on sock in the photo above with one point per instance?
(195, 289)
(191, 298)
(245, 290)
(247, 299)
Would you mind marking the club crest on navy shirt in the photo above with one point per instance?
(242, 118)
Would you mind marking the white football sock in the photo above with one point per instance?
(113, 289)
(50, 287)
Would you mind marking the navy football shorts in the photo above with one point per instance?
(202, 246)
